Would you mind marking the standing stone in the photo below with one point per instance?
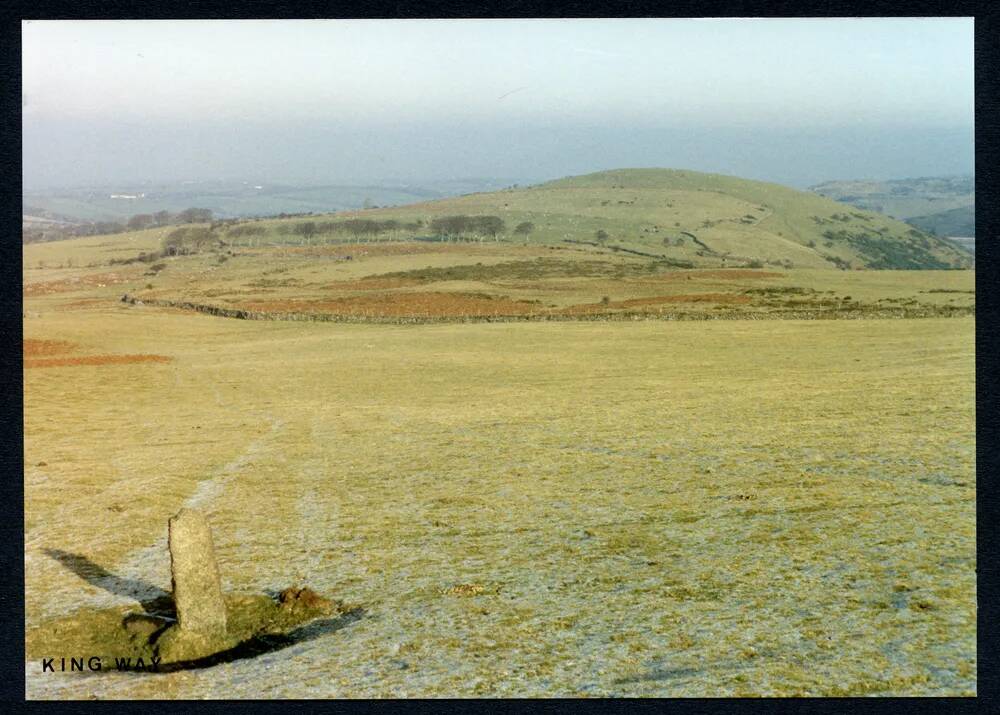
(195, 575)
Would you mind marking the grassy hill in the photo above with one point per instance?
(684, 219)
(703, 219)
(944, 205)
(953, 222)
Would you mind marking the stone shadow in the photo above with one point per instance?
(260, 644)
(154, 600)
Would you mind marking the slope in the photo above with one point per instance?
(705, 219)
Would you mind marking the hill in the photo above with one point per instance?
(705, 220)
(945, 204)
(953, 222)
(232, 199)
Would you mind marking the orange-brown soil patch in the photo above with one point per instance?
(33, 348)
(404, 305)
(94, 360)
(65, 285)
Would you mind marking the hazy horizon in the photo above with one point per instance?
(796, 102)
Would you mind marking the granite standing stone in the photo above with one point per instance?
(195, 575)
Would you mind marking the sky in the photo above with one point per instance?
(369, 101)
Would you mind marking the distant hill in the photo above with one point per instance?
(954, 222)
(704, 219)
(233, 199)
(684, 219)
(943, 204)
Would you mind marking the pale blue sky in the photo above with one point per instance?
(84, 82)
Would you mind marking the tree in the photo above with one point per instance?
(195, 215)
(161, 218)
(601, 235)
(450, 226)
(186, 240)
(306, 229)
(488, 226)
(140, 221)
(103, 227)
(524, 229)
(390, 225)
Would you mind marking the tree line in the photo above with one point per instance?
(457, 228)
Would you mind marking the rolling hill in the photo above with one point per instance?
(612, 245)
(960, 222)
(942, 205)
(701, 219)
(678, 219)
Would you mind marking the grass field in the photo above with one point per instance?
(639, 479)
(419, 280)
(649, 508)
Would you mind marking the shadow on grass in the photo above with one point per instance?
(154, 600)
(160, 603)
(263, 643)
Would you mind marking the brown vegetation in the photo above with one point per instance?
(728, 298)
(427, 303)
(43, 348)
(734, 274)
(96, 280)
(93, 360)
(386, 248)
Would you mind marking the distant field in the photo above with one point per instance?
(395, 280)
(233, 199)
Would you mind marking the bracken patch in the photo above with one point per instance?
(365, 250)
(65, 285)
(33, 348)
(734, 274)
(684, 298)
(687, 298)
(94, 360)
(420, 304)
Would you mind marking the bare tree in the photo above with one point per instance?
(140, 221)
(524, 229)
